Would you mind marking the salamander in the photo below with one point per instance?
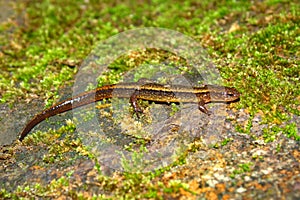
(134, 91)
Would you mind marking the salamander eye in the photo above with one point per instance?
(233, 94)
(227, 93)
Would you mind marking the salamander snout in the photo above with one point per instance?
(231, 94)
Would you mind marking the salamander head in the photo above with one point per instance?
(223, 94)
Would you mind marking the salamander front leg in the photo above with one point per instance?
(134, 104)
(202, 108)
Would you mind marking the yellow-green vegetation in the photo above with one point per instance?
(242, 168)
(254, 44)
(289, 130)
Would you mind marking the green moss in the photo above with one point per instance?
(290, 130)
(242, 168)
(226, 141)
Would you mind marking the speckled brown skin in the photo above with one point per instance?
(149, 91)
